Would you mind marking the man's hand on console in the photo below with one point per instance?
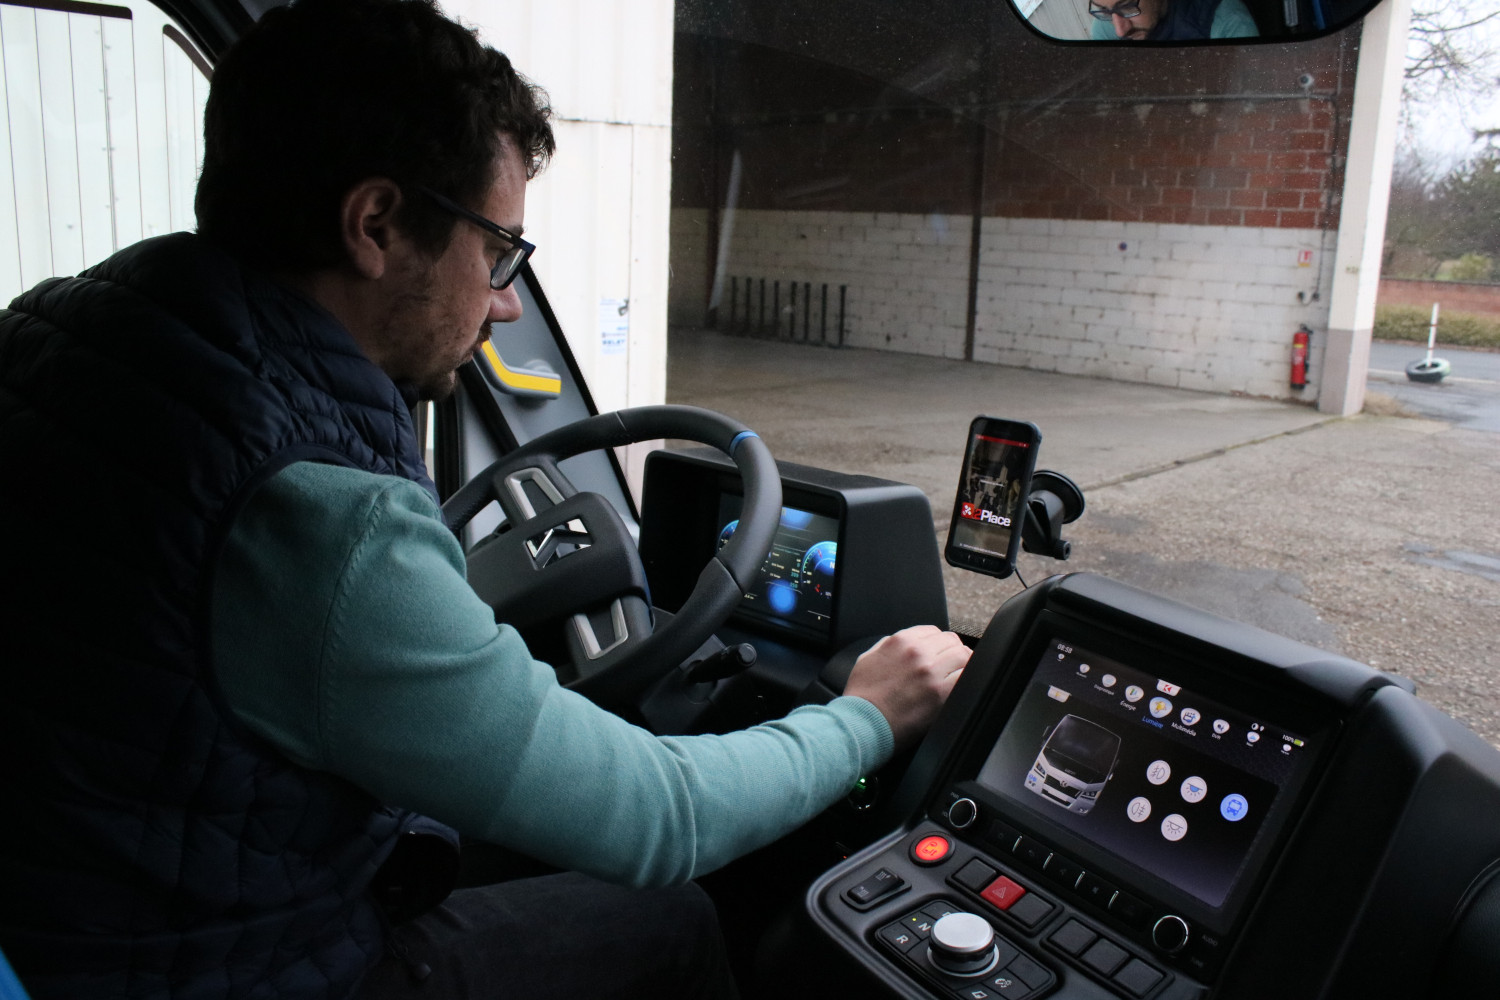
(908, 676)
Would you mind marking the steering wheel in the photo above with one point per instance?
(565, 558)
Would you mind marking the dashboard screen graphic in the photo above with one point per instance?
(795, 585)
(1172, 782)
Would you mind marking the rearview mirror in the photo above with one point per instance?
(1177, 21)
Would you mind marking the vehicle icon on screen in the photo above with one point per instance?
(1076, 760)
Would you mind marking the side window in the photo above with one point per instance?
(101, 111)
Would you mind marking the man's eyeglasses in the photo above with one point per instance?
(509, 264)
(1130, 8)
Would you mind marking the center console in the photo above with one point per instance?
(1099, 806)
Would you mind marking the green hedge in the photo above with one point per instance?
(1456, 329)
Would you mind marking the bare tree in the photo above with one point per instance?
(1452, 57)
(1443, 195)
(1413, 218)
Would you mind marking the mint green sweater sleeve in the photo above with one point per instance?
(346, 635)
(1232, 20)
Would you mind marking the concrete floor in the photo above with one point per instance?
(905, 417)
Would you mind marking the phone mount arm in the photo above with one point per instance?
(1055, 500)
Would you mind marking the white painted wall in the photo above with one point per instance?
(907, 275)
(101, 122)
(1200, 307)
(1197, 307)
(599, 214)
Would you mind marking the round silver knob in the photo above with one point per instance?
(962, 813)
(1170, 934)
(963, 944)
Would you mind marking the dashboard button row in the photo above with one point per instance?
(1004, 893)
(1071, 875)
(1106, 958)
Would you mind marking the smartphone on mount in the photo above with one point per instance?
(984, 534)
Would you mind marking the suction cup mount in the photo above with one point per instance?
(1055, 500)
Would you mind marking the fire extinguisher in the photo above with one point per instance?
(1300, 341)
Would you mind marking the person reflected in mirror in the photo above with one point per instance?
(1171, 20)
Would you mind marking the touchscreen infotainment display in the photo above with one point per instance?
(795, 585)
(1147, 769)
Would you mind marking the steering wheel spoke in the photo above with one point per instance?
(577, 553)
(564, 559)
(595, 640)
(533, 488)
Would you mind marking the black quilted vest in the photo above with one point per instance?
(150, 847)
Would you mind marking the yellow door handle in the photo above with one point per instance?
(536, 381)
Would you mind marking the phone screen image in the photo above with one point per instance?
(991, 501)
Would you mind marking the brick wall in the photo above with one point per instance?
(1452, 296)
(1263, 163)
(1197, 136)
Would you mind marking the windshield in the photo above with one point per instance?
(1153, 253)
(857, 226)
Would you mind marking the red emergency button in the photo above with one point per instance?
(1003, 893)
(931, 850)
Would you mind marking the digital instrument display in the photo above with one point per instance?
(1174, 783)
(795, 585)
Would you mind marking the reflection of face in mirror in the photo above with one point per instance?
(1131, 19)
(1170, 20)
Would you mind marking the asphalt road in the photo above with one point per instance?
(1469, 397)
(1376, 536)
